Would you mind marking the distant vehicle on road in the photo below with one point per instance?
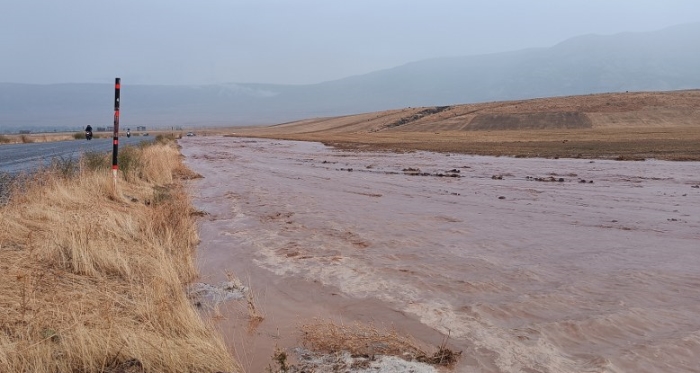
(190, 133)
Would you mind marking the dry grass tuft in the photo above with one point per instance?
(328, 337)
(38, 137)
(442, 357)
(255, 315)
(93, 281)
(357, 339)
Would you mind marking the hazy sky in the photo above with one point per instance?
(289, 41)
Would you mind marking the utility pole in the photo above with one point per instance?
(115, 141)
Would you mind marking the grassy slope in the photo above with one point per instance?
(92, 280)
(663, 125)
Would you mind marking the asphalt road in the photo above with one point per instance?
(27, 157)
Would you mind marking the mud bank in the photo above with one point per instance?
(528, 264)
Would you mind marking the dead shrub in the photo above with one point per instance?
(96, 161)
(358, 339)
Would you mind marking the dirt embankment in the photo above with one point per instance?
(664, 125)
(528, 121)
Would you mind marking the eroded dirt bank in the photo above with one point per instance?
(528, 264)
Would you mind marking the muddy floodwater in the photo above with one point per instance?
(529, 265)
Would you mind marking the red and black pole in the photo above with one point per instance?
(115, 148)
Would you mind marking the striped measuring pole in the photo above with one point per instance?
(115, 141)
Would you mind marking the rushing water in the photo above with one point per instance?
(530, 265)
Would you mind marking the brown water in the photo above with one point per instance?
(524, 275)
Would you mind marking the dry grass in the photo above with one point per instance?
(254, 314)
(46, 137)
(661, 125)
(360, 339)
(92, 279)
(677, 144)
(255, 317)
(32, 138)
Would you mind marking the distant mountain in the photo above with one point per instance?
(654, 61)
(662, 60)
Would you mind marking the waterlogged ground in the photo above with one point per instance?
(530, 265)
